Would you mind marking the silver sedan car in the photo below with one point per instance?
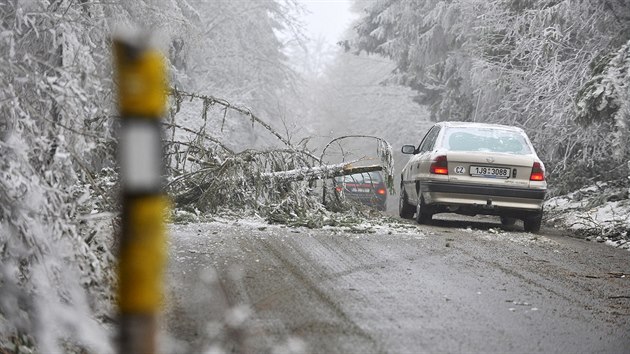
(474, 168)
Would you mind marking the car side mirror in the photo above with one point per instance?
(408, 149)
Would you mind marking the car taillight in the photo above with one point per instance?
(380, 191)
(439, 166)
(538, 172)
(338, 189)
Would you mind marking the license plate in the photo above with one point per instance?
(489, 172)
(360, 190)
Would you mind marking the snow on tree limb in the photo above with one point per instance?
(518, 63)
(320, 172)
(245, 112)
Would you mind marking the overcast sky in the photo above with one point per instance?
(327, 18)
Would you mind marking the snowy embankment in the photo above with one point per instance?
(600, 212)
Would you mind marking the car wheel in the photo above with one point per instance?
(532, 224)
(404, 209)
(506, 221)
(422, 216)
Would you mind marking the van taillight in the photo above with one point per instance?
(439, 165)
(538, 172)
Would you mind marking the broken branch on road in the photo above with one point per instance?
(207, 174)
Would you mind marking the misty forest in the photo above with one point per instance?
(260, 116)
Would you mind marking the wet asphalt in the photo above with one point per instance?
(452, 287)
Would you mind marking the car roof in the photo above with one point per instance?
(477, 125)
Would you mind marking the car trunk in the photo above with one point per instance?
(490, 168)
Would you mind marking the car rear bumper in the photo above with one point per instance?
(482, 197)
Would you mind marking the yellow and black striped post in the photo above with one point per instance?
(141, 78)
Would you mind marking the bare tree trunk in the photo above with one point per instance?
(56, 63)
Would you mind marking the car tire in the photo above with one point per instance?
(422, 216)
(405, 210)
(507, 221)
(532, 224)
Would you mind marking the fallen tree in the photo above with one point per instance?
(206, 175)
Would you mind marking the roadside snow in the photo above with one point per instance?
(600, 212)
(522, 238)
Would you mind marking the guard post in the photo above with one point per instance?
(141, 78)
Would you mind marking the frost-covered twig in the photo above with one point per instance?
(384, 150)
(202, 134)
(244, 111)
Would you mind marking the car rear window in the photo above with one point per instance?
(485, 140)
(367, 177)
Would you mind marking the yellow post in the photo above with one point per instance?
(141, 78)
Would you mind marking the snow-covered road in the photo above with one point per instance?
(249, 287)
